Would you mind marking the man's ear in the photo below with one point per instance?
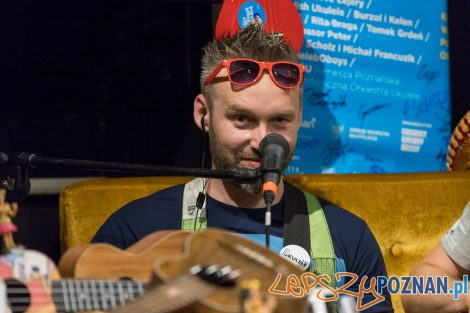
(201, 113)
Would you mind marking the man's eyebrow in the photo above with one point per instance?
(238, 109)
(286, 113)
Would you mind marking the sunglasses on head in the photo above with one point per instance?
(245, 72)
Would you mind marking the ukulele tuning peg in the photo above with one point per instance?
(226, 270)
(196, 269)
(221, 276)
(234, 274)
(212, 270)
(229, 275)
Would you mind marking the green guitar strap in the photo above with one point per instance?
(322, 250)
(305, 225)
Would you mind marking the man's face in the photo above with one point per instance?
(240, 118)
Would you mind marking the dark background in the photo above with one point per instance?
(115, 81)
(459, 38)
(102, 80)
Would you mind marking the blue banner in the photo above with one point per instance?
(376, 95)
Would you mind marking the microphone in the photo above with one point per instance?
(274, 149)
(347, 304)
(320, 306)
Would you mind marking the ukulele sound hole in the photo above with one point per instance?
(18, 296)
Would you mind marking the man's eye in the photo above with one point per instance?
(240, 118)
(280, 120)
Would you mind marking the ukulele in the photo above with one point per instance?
(104, 261)
(113, 276)
(252, 261)
(34, 285)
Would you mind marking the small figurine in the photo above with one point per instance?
(7, 228)
(252, 299)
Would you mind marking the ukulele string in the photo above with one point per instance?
(23, 297)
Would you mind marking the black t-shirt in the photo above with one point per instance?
(355, 247)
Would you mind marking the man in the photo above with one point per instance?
(242, 101)
(451, 258)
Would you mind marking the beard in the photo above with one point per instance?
(225, 158)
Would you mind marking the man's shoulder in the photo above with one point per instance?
(162, 207)
(346, 227)
(339, 215)
(163, 199)
(158, 211)
(336, 214)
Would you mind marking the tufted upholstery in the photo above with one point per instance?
(408, 213)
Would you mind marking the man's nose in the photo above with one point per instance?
(258, 134)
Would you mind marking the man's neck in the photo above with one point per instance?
(231, 194)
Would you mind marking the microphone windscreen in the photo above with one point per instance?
(275, 140)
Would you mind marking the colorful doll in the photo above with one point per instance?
(7, 228)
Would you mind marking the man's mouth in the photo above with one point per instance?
(251, 162)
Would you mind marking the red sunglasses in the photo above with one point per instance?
(245, 72)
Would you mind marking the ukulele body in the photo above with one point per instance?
(27, 275)
(222, 248)
(104, 261)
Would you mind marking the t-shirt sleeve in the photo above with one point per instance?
(115, 231)
(369, 263)
(357, 252)
(139, 218)
(456, 242)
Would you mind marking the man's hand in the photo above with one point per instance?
(437, 263)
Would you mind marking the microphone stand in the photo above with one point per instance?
(14, 170)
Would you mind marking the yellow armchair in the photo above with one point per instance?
(408, 213)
